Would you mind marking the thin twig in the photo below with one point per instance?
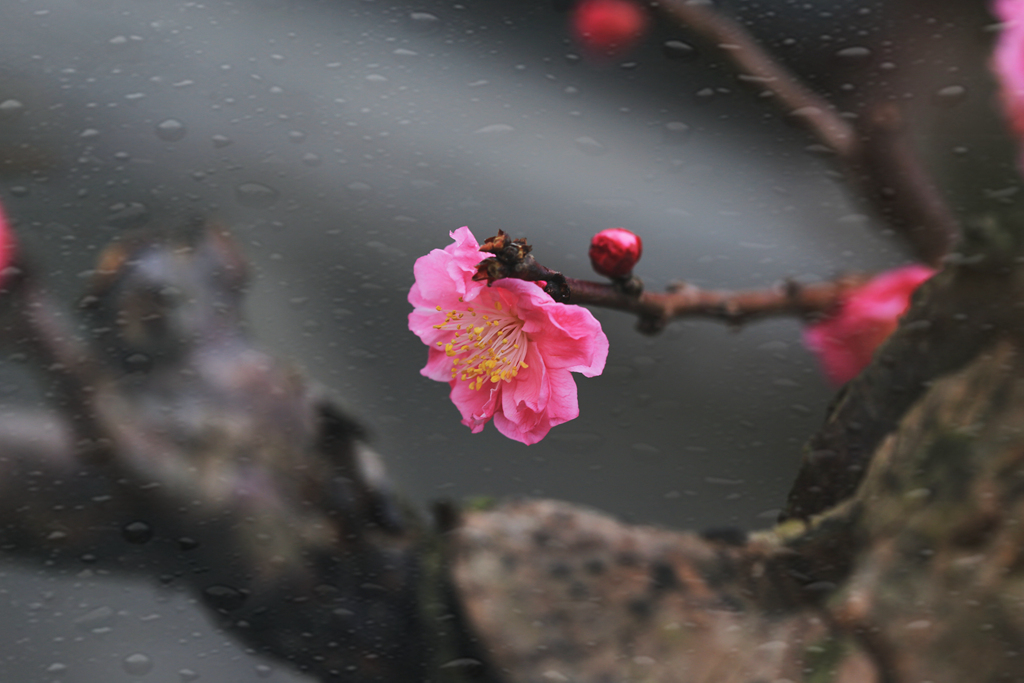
(683, 300)
(757, 66)
(875, 152)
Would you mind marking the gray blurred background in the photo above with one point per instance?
(342, 139)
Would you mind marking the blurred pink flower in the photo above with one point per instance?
(7, 243)
(1008, 60)
(507, 350)
(846, 340)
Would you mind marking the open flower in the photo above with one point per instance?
(846, 340)
(506, 350)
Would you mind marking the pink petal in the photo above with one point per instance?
(477, 406)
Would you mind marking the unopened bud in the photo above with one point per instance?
(614, 252)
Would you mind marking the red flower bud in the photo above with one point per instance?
(614, 252)
(608, 26)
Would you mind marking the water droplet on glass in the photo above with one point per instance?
(359, 188)
(185, 544)
(137, 664)
(170, 130)
(496, 133)
(98, 618)
(223, 598)
(676, 132)
(424, 21)
(263, 671)
(127, 215)
(137, 532)
(89, 133)
(256, 195)
(950, 96)
(187, 676)
(376, 79)
(57, 668)
(464, 663)
(296, 136)
(11, 108)
(311, 159)
(220, 141)
(402, 52)
(589, 145)
(678, 50)
(854, 54)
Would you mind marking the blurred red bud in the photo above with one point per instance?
(614, 252)
(608, 26)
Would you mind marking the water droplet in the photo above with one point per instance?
(464, 663)
(376, 79)
(263, 671)
(187, 675)
(296, 136)
(359, 188)
(98, 620)
(185, 544)
(678, 50)
(223, 598)
(11, 108)
(854, 54)
(496, 132)
(137, 664)
(589, 145)
(402, 52)
(311, 159)
(220, 141)
(256, 195)
(424, 21)
(676, 132)
(57, 668)
(89, 133)
(137, 532)
(950, 96)
(127, 215)
(170, 130)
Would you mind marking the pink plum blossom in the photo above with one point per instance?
(7, 245)
(846, 340)
(507, 350)
(1008, 60)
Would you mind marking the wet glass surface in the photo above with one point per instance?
(340, 141)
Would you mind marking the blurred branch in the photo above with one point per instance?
(874, 150)
(40, 328)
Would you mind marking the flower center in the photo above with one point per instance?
(485, 347)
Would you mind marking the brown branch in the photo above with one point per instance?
(758, 67)
(683, 300)
(875, 152)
